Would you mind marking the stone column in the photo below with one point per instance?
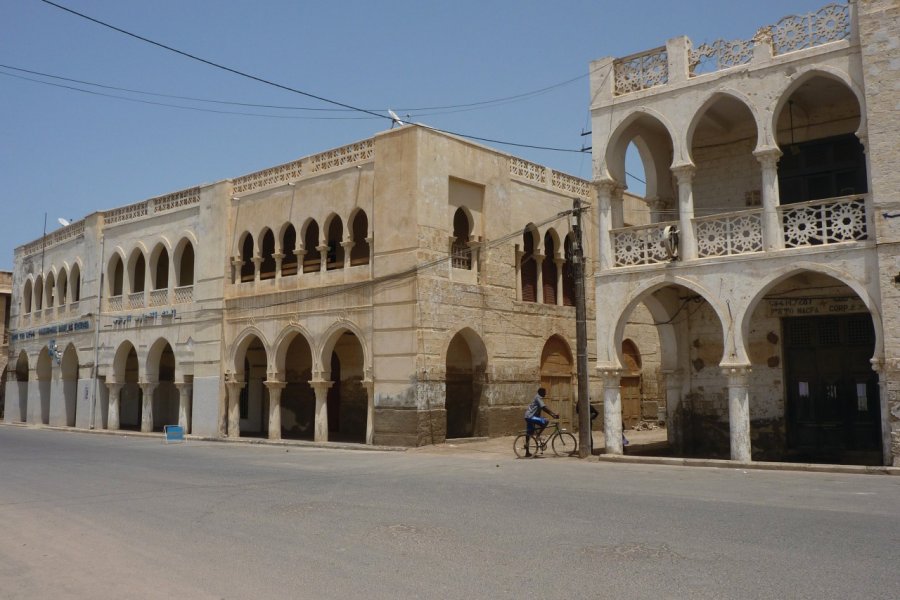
(233, 429)
(688, 241)
(617, 207)
(301, 255)
(275, 388)
(321, 388)
(739, 412)
(539, 292)
(184, 405)
(278, 256)
(773, 236)
(612, 410)
(257, 271)
(112, 419)
(347, 245)
(236, 264)
(674, 422)
(323, 257)
(604, 220)
(370, 410)
(889, 409)
(560, 263)
(147, 387)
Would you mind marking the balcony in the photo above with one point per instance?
(802, 225)
(159, 297)
(114, 303)
(184, 294)
(136, 300)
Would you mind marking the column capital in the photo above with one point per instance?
(609, 375)
(369, 384)
(606, 186)
(736, 374)
(768, 157)
(321, 384)
(274, 384)
(684, 172)
(183, 385)
(114, 385)
(257, 260)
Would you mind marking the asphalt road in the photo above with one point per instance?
(101, 516)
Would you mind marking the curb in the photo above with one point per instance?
(204, 438)
(756, 466)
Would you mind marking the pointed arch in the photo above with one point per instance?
(49, 289)
(334, 241)
(465, 358)
(115, 273)
(75, 282)
(528, 263)
(549, 270)
(38, 293)
(27, 296)
(183, 257)
(359, 229)
(658, 144)
(248, 267)
(267, 253)
(137, 271)
(159, 267)
(460, 249)
(312, 258)
(289, 250)
(62, 286)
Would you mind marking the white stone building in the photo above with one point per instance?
(770, 267)
(400, 290)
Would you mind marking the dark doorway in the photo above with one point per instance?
(833, 410)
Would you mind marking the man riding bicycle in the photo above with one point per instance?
(534, 422)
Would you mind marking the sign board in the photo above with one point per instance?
(173, 433)
(810, 307)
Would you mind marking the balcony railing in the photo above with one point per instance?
(184, 294)
(136, 300)
(114, 303)
(728, 234)
(816, 223)
(159, 297)
(820, 222)
(644, 245)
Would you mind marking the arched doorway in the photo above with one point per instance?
(631, 385)
(813, 352)
(465, 366)
(254, 397)
(44, 374)
(69, 372)
(161, 368)
(298, 400)
(347, 398)
(557, 369)
(131, 396)
(22, 383)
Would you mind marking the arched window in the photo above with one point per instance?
(62, 287)
(335, 250)
(359, 254)
(49, 284)
(248, 268)
(289, 249)
(185, 274)
(312, 260)
(26, 296)
(528, 268)
(138, 272)
(569, 273)
(116, 276)
(460, 252)
(267, 266)
(161, 272)
(38, 292)
(548, 269)
(75, 283)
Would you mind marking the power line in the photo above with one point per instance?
(295, 90)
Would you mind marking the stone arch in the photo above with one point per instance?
(460, 249)
(798, 79)
(62, 286)
(330, 338)
(345, 356)
(359, 234)
(287, 241)
(27, 295)
(294, 364)
(248, 253)
(312, 257)
(44, 375)
(776, 276)
(465, 359)
(717, 95)
(252, 367)
(557, 370)
(74, 283)
(126, 372)
(334, 229)
(549, 267)
(183, 258)
(161, 368)
(115, 272)
(69, 376)
(659, 146)
(267, 254)
(159, 266)
(49, 289)
(528, 271)
(137, 270)
(22, 376)
(240, 345)
(38, 296)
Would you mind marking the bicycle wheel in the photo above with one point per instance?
(524, 443)
(564, 444)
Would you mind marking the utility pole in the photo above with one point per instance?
(581, 364)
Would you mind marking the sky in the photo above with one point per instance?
(508, 70)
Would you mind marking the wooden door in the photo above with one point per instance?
(559, 398)
(631, 401)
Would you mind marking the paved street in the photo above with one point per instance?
(107, 516)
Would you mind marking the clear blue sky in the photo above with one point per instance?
(68, 153)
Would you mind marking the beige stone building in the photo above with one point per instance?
(401, 290)
(5, 295)
(769, 265)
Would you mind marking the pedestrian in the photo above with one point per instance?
(534, 422)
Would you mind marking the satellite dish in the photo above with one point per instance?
(395, 119)
(63, 222)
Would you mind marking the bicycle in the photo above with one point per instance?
(561, 441)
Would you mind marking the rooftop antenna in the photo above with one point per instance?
(395, 120)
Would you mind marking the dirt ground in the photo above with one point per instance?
(638, 441)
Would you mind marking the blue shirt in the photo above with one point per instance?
(534, 409)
